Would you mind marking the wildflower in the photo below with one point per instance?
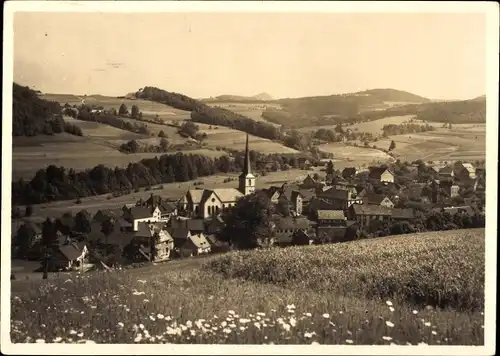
(223, 324)
(152, 318)
(231, 312)
(160, 316)
(391, 309)
(141, 281)
(309, 335)
(146, 300)
(286, 327)
(387, 338)
(291, 306)
(427, 323)
(168, 318)
(349, 341)
(138, 338)
(332, 324)
(389, 303)
(227, 331)
(308, 314)
(57, 339)
(244, 321)
(326, 315)
(389, 324)
(141, 326)
(80, 334)
(258, 317)
(261, 314)
(257, 325)
(293, 321)
(211, 297)
(434, 332)
(40, 341)
(232, 325)
(242, 328)
(138, 293)
(121, 325)
(415, 312)
(93, 306)
(72, 332)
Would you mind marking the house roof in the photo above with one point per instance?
(228, 194)
(318, 203)
(140, 212)
(179, 232)
(143, 230)
(196, 195)
(459, 209)
(368, 209)
(374, 198)
(335, 193)
(307, 194)
(195, 225)
(349, 171)
(289, 222)
(199, 240)
(376, 172)
(71, 251)
(167, 207)
(402, 213)
(331, 215)
(446, 170)
(469, 167)
(331, 231)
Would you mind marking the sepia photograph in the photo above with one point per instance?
(249, 177)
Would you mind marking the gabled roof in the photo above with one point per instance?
(167, 207)
(331, 215)
(289, 222)
(459, 209)
(373, 198)
(195, 225)
(446, 170)
(469, 167)
(71, 251)
(368, 209)
(227, 194)
(402, 213)
(334, 193)
(179, 232)
(199, 240)
(196, 195)
(140, 212)
(349, 172)
(143, 230)
(376, 172)
(318, 203)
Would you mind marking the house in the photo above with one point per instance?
(349, 172)
(451, 190)
(363, 214)
(304, 163)
(341, 199)
(138, 214)
(301, 238)
(216, 245)
(193, 225)
(465, 171)
(69, 256)
(381, 175)
(378, 199)
(106, 214)
(402, 214)
(331, 218)
(452, 210)
(205, 203)
(309, 183)
(180, 236)
(288, 194)
(287, 226)
(446, 173)
(167, 209)
(215, 225)
(196, 244)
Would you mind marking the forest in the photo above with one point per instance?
(32, 116)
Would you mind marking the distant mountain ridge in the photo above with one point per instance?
(241, 98)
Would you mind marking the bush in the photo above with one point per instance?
(78, 201)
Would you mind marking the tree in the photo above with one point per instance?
(392, 146)
(164, 144)
(49, 234)
(123, 110)
(29, 211)
(82, 222)
(24, 239)
(134, 114)
(162, 134)
(107, 228)
(316, 177)
(284, 207)
(248, 223)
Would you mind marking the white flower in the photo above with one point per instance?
(326, 315)
(232, 325)
(293, 321)
(121, 325)
(415, 312)
(427, 323)
(223, 324)
(391, 309)
(160, 316)
(291, 306)
(308, 335)
(257, 325)
(389, 303)
(389, 324)
(40, 341)
(57, 339)
(244, 321)
(141, 281)
(72, 332)
(308, 314)
(152, 318)
(286, 327)
(387, 338)
(80, 335)
(261, 314)
(332, 324)
(231, 312)
(138, 293)
(226, 331)
(349, 341)
(242, 328)
(434, 332)
(141, 326)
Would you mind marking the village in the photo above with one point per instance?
(341, 206)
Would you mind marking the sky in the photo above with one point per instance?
(439, 56)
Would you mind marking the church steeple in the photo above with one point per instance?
(247, 179)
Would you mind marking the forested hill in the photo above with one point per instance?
(203, 113)
(258, 98)
(392, 95)
(33, 116)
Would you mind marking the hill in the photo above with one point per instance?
(331, 294)
(32, 116)
(239, 98)
(334, 109)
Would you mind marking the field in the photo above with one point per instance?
(171, 190)
(461, 143)
(335, 294)
(108, 102)
(350, 156)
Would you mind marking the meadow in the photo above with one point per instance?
(336, 294)
(351, 156)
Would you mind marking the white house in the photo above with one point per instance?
(139, 214)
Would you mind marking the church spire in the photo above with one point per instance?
(247, 168)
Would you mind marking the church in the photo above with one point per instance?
(206, 203)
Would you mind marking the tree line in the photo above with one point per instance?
(58, 183)
(405, 128)
(202, 113)
(32, 116)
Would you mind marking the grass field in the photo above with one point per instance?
(350, 156)
(461, 143)
(171, 190)
(108, 102)
(277, 296)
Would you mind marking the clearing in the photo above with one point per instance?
(351, 156)
(331, 294)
